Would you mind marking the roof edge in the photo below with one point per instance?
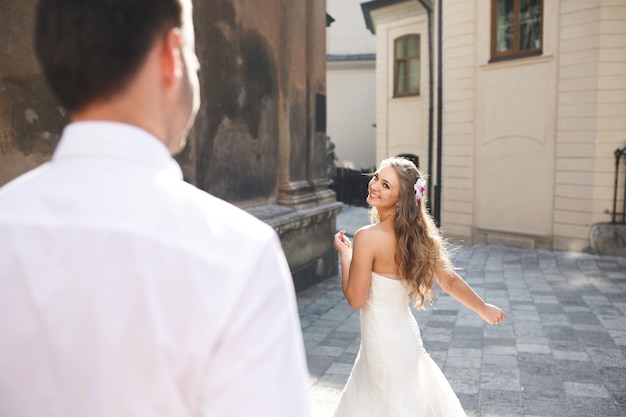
(370, 6)
(329, 20)
(350, 57)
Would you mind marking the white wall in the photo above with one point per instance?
(350, 85)
(591, 121)
(351, 113)
(347, 35)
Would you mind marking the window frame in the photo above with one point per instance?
(515, 52)
(396, 93)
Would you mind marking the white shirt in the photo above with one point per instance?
(125, 291)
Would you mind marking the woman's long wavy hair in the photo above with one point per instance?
(420, 244)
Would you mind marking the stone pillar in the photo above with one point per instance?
(303, 180)
(316, 82)
(294, 187)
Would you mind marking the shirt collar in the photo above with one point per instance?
(113, 140)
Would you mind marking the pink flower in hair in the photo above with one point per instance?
(420, 188)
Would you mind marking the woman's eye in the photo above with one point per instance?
(385, 185)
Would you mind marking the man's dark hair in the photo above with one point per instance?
(91, 49)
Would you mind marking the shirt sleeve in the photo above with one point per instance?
(259, 366)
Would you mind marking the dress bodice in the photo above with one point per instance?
(387, 292)
(386, 313)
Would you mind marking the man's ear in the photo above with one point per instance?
(171, 57)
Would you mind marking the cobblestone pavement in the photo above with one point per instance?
(561, 351)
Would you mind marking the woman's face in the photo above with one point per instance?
(384, 189)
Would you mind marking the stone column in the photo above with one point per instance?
(294, 187)
(316, 82)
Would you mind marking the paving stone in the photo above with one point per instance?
(492, 397)
(500, 383)
(614, 378)
(318, 364)
(339, 369)
(464, 386)
(544, 391)
(619, 399)
(579, 389)
(606, 357)
(571, 355)
(347, 357)
(538, 407)
(501, 360)
(497, 350)
(469, 402)
(533, 348)
(326, 350)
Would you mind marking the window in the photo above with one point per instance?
(516, 28)
(407, 66)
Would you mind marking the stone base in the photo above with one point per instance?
(316, 271)
(526, 239)
(306, 236)
(608, 239)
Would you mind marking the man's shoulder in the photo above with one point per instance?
(205, 209)
(20, 187)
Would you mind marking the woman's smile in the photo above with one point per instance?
(383, 188)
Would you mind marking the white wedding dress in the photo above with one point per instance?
(393, 376)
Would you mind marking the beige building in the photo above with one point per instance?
(533, 108)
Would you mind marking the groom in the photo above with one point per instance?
(125, 291)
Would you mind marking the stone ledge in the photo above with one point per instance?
(284, 219)
(608, 239)
(527, 239)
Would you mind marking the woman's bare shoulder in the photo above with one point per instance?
(374, 233)
(364, 229)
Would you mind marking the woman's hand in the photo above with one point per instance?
(342, 243)
(492, 314)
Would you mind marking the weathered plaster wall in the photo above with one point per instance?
(236, 135)
(30, 118)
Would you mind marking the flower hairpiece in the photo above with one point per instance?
(420, 188)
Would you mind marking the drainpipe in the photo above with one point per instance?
(439, 186)
(431, 94)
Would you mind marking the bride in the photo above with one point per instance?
(390, 262)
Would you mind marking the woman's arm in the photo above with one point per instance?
(456, 286)
(356, 267)
(344, 247)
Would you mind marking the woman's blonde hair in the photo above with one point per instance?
(420, 244)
